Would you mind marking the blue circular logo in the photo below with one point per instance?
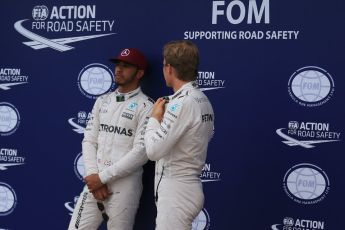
(202, 221)
(174, 107)
(9, 119)
(95, 80)
(311, 86)
(306, 183)
(132, 106)
(79, 168)
(8, 199)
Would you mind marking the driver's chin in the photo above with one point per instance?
(119, 81)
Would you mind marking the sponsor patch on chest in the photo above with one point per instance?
(127, 115)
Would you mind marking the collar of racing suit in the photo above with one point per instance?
(186, 86)
(125, 96)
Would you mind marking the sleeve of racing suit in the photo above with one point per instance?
(161, 137)
(90, 144)
(136, 157)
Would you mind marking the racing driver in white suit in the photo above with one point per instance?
(114, 151)
(177, 137)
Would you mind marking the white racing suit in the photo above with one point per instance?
(113, 146)
(179, 146)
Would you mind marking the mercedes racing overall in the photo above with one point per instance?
(179, 145)
(113, 146)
